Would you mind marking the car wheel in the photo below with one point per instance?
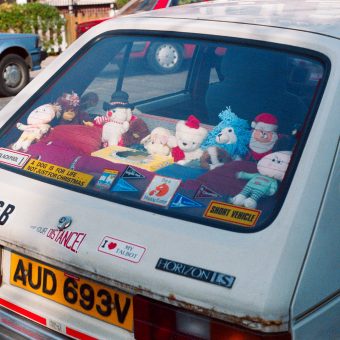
(14, 74)
(165, 57)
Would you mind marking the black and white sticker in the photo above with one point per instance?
(197, 273)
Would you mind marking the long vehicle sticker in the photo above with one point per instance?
(232, 214)
(58, 173)
(13, 158)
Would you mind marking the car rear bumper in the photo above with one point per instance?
(14, 326)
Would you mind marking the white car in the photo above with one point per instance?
(200, 204)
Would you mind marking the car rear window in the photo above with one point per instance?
(206, 131)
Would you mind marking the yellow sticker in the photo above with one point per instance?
(58, 173)
(232, 214)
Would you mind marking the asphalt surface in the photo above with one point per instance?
(5, 100)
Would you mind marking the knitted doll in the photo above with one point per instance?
(271, 169)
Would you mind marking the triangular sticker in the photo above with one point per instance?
(132, 173)
(181, 201)
(205, 192)
(122, 185)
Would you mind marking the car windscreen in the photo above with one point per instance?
(209, 131)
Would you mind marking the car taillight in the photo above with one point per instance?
(157, 320)
(1, 250)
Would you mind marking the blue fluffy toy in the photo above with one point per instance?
(232, 135)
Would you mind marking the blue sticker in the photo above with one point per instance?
(123, 185)
(106, 179)
(181, 201)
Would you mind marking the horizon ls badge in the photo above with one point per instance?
(197, 273)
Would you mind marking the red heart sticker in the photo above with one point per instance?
(112, 245)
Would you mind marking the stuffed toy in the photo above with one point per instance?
(214, 157)
(119, 113)
(88, 107)
(271, 169)
(156, 143)
(37, 125)
(84, 139)
(227, 141)
(70, 106)
(264, 136)
(137, 131)
(187, 141)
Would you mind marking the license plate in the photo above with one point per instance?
(80, 294)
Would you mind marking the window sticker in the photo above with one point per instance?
(123, 185)
(58, 173)
(13, 158)
(131, 173)
(161, 190)
(205, 192)
(181, 201)
(106, 179)
(230, 213)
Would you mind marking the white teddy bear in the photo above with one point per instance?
(156, 143)
(37, 125)
(188, 138)
(118, 116)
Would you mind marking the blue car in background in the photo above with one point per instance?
(19, 53)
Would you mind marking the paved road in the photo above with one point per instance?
(5, 100)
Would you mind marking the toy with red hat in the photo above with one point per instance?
(188, 138)
(264, 135)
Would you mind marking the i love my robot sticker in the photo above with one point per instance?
(161, 190)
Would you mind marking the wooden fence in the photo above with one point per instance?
(72, 21)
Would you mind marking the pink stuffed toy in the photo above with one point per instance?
(156, 143)
(37, 125)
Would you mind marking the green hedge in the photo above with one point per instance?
(33, 18)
